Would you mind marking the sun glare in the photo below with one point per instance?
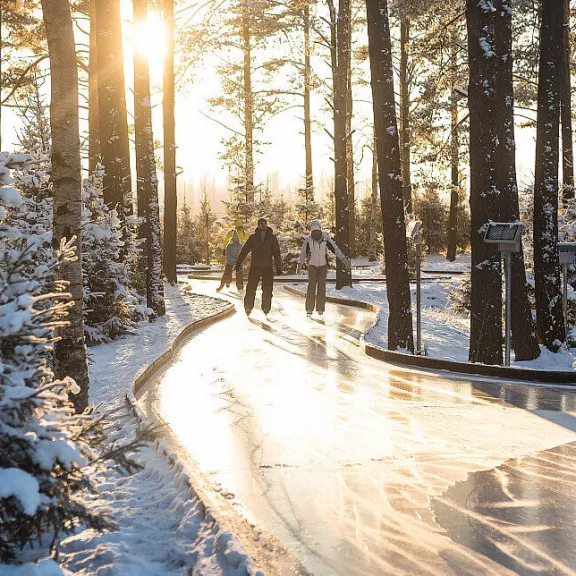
(149, 39)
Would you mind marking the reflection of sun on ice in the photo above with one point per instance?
(149, 39)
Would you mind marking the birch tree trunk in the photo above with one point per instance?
(524, 339)
(390, 178)
(343, 275)
(549, 315)
(69, 351)
(486, 278)
(114, 141)
(146, 175)
(170, 192)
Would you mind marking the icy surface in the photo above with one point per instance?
(445, 333)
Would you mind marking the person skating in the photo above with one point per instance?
(265, 250)
(232, 252)
(315, 245)
(240, 229)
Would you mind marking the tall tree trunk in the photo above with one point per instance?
(375, 215)
(486, 279)
(309, 194)
(350, 148)
(343, 275)
(454, 156)
(114, 141)
(405, 112)
(248, 102)
(170, 193)
(93, 105)
(566, 110)
(390, 179)
(549, 315)
(524, 339)
(146, 176)
(69, 351)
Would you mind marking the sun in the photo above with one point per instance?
(149, 39)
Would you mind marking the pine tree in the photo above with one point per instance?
(187, 247)
(549, 316)
(390, 179)
(486, 278)
(107, 297)
(207, 234)
(70, 350)
(43, 446)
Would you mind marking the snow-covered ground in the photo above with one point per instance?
(438, 263)
(160, 525)
(445, 334)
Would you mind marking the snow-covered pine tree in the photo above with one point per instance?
(44, 446)
(207, 231)
(107, 295)
(187, 248)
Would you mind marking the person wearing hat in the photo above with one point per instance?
(265, 251)
(240, 231)
(232, 252)
(315, 246)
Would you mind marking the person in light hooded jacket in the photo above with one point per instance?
(232, 252)
(315, 247)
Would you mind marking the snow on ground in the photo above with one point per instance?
(438, 263)
(160, 526)
(445, 334)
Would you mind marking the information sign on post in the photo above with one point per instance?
(567, 251)
(508, 236)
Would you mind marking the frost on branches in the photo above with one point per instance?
(111, 305)
(43, 444)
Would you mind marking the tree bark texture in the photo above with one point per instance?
(566, 110)
(390, 178)
(454, 158)
(405, 136)
(486, 278)
(375, 214)
(524, 338)
(146, 175)
(170, 193)
(248, 103)
(350, 172)
(309, 196)
(549, 315)
(70, 350)
(114, 141)
(93, 105)
(343, 275)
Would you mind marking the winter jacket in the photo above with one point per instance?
(263, 251)
(317, 251)
(242, 234)
(232, 252)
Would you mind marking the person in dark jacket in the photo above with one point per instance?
(232, 252)
(265, 250)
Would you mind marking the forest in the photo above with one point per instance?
(451, 113)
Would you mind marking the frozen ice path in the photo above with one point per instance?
(355, 465)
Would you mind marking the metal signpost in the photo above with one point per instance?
(507, 235)
(567, 252)
(414, 231)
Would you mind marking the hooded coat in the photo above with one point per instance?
(316, 247)
(265, 251)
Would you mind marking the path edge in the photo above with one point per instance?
(560, 378)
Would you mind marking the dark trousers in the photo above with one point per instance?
(254, 277)
(227, 277)
(316, 293)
